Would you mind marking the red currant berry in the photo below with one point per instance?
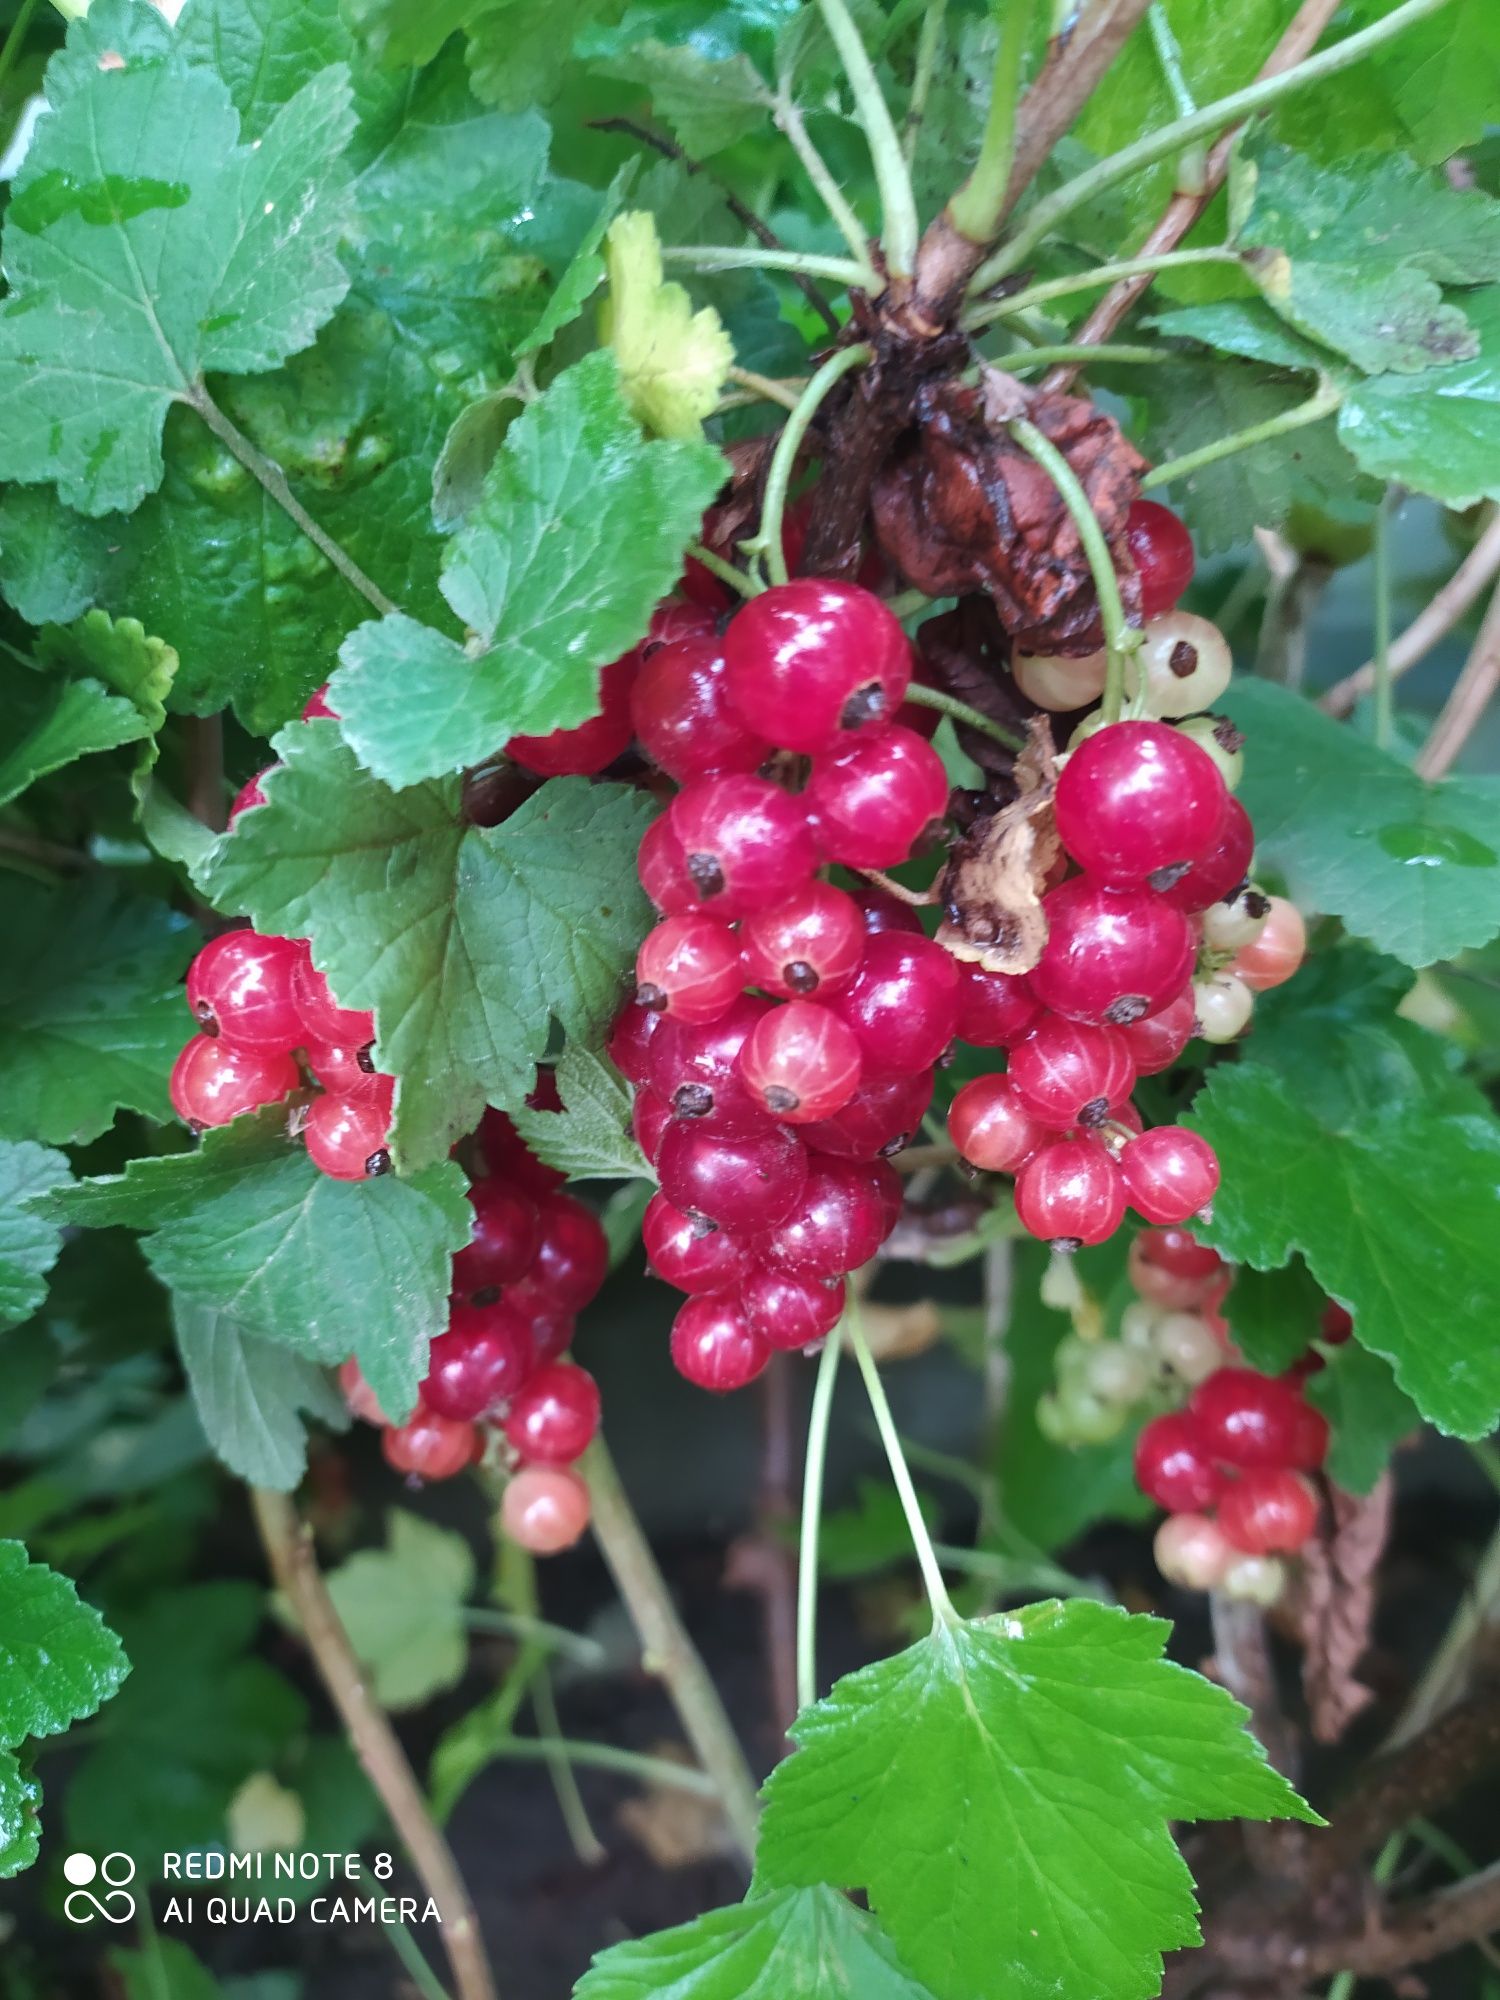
(323, 1019)
(662, 866)
(1336, 1324)
(801, 1062)
(593, 744)
(214, 1080)
(874, 798)
(1191, 1552)
(690, 1254)
(650, 1116)
(482, 1359)
(358, 1394)
(811, 943)
(688, 967)
(551, 1332)
(902, 1003)
(506, 1153)
(351, 1073)
(1070, 1193)
(696, 1066)
(1268, 1512)
(1162, 550)
(347, 1140)
(1162, 1284)
(504, 1239)
(250, 794)
(1180, 1252)
(553, 1418)
(318, 708)
(889, 1189)
(880, 1118)
(683, 720)
(992, 1126)
(1065, 1073)
(1136, 798)
(838, 1223)
(714, 1344)
(1216, 875)
(1174, 1465)
(629, 1044)
(1272, 958)
(1248, 1419)
(1310, 1446)
(995, 1009)
(240, 986)
(1112, 955)
(789, 1312)
(544, 1509)
(1169, 1174)
(882, 911)
(1157, 1040)
(813, 658)
(428, 1446)
(745, 1181)
(572, 1257)
(747, 842)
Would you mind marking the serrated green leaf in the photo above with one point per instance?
(709, 101)
(1441, 77)
(402, 1607)
(59, 1661)
(20, 1816)
(1245, 327)
(55, 722)
(1273, 1315)
(266, 50)
(145, 245)
(672, 360)
(120, 653)
(580, 530)
(591, 1138)
(1367, 1413)
(92, 1015)
(51, 560)
(797, 1944)
(251, 1395)
(1412, 866)
(404, 36)
(1049, 1748)
(585, 272)
(469, 450)
(1437, 432)
(28, 1243)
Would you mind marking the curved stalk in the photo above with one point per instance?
(1085, 281)
(1122, 354)
(783, 460)
(1322, 404)
(960, 711)
(976, 210)
(929, 44)
(812, 1519)
(898, 207)
(793, 127)
(745, 257)
(932, 1576)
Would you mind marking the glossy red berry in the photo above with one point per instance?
(572, 1256)
(1112, 955)
(506, 1153)
(350, 1073)
(1174, 1465)
(1161, 1284)
(544, 1509)
(874, 798)
(1157, 1040)
(902, 1003)
(682, 716)
(992, 1127)
(629, 1044)
(880, 1118)
(744, 1181)
(323, 1019)
(503, 1241)
(810, 944)
(688, 967)
(358, 1394)
(428, 1446)
(1169, 1174)
(346, 1139)
(790, 1312)
(695, 1066)
(214, 1080)
(1336, 1325)
(593, 744)
(747, 843)
(483, 1358)
(1248, 1419)
(813, 658)
(661, 864)
(838, 1223)
(1179, 1252)
(1221, 871)
(1310, 1445)
(693, 1255)
(889, 1190)
(249, 794)
(995, 1009)
(801, 1062)
(1162, 550)
(714, 1344)
(317, 707)
(1066, 1073)
(882, 911)
(240, 986)
(1136, 798)
(650, 1115)
(1070, 1193)
(1269, 1512)
(1271, 959)
(553, 1417)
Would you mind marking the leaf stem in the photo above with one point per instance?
(15, 41)
(406, 1948)
(1472, 694)
(767, 388)
(971, 718)
(605, 1757)
(977, 208)
(929, 46)
(793, 127)
(1192, 168)
(1043, 218)
(737, 580)
(1322, 404)
(514, 1625)
(1385, 705)
(784, 459)
(748, 257)
(665, 1646)
(274, 480)
(1101, 274)
(898, 208)
(1122, 353)
(814, 1467)
(932, 1576)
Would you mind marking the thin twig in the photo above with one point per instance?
(203, 754)
(289, 1550)
(784, 459)
(561, 1756)
(929, 47)
(736, 257)
(1472, 694)
(1322, 403)
(1411, 1933)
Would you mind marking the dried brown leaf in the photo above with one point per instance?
(1336, 1605)
(992, 887)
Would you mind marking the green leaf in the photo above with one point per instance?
(164, 1969)
(250, 1394)
(1245, 327)
(118, 652)
(53, 723)
(145, 245)
(1047, 1750)
(1437, 432)
(28, 1243)
(20, 1816)
(474, 438)
(672, 360)
(585, 272)
(580, 531)
(1441, 76)
(59, 1661)
(709, 101)
(407, 37)
(466, 942)
(797, 1944)
(92, 1015)
(266, 50)
(51, 560)
(1274, 1314)
(403, 1608)
(591, 1138)
(247, 1226)
(1411, 866)
(1368, 1414)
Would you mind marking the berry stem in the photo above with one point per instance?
(1322, 403)
(748, 257)
(784, 459)
(726, 572)
(932, 1576)
(960, 711)
(585, 1652)
(1044, 217)
(1192, 168)
(561, 1757)
(1121, 354)
(665, 1646)
(898, 208)
(1085, 281)
(661, 1771)
(929, 47)
(915, 899)
(978, 207)
(793, 128)
(767, 388)
(813, 1470)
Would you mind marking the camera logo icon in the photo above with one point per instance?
(114, 1902)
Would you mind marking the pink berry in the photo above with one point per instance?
(992, 1126)
(317, 707)
(1162, 550)
(1248, 1419)
(1157, 1040)
(1136, 798)
(661, 864)
(681, 712)
(881, 1117)
(744, 1181)
(1174, 1464)
(1066, 1073)
(902, 1003)
(790, 1312)
(506, 1234)
(1336, 1325)
(688, 967)
(1192, 1552)
(1163, 1281)
(650, 1115)
(350, 1073)
(882, 911)
(874, 798)
(553, 1417)
(1070, 1193)
(544, 1509)
(240, 986)
(801, 1062)
(747, 843)
(428, 1446)
(323, 1019)
(629, 1044)
(1271, 1511)
(1218, 873)
(359, 1395)
(346, 1138)
(694, 1256)
(1112, 955)
(814, 658)
(572, 1256)
(1169, 1174)
(483, 1358)
(1272, 958)
(838, 1223)
(593, 744)
(714, 1344)
(811, 943)
(995, 1009)
(695, 1066)
(214, 1080)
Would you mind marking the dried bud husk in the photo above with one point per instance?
(992, 887)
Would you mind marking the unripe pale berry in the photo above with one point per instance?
(1192, 1552)
(1229, 925)
(1219, 740)
(1184, 1345)
(1116, 1373)
(1275, 955)
(1055, 682)
(1185, 661)
(1254, 1580)
(1222, 1006)
(544, 1509)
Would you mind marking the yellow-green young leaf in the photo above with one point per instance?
(119, 652)
(1003, 1791)
(403, 1608)
(673, 360)
(28, 1243)
(52, 723)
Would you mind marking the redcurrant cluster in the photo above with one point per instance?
(535, 1258)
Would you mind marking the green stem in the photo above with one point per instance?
(1385, 703)
(812, 1519)
(947, 704)
(975, 211)
(724, 571)
(1121, 353)
(575, 1815)
(421, 1974)
(1119, 638)
(929, 46)
(1224, 112)
(1193, 166)
(898, 208)
(1087, 281)
(792, 126)
(607, 1757)
(751, 257)
(784, 458)
(932, 1576)
(556, 1638)
(1326, 400)
(15, 41)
